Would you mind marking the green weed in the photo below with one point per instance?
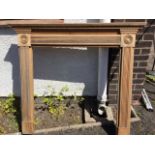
(7, 105)
(55, 103)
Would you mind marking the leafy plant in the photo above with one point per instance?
(77, 99)
(55, 103)
(81, 99)
(54, 107)
(150, 77)
(7, 105)
(64, 90)
(60, 97)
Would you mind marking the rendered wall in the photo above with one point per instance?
(53, 67)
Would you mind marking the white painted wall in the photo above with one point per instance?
(52, 67)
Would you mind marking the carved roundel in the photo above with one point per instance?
(24, 39)
(128, 39)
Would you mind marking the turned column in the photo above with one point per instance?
(26, 76)
(125, 80)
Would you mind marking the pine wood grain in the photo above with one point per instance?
(27, 100)
(125, 90)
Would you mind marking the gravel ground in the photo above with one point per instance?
(144, 127)
(147, 124)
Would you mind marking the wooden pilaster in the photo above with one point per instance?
(26, 75)
(125, 82)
